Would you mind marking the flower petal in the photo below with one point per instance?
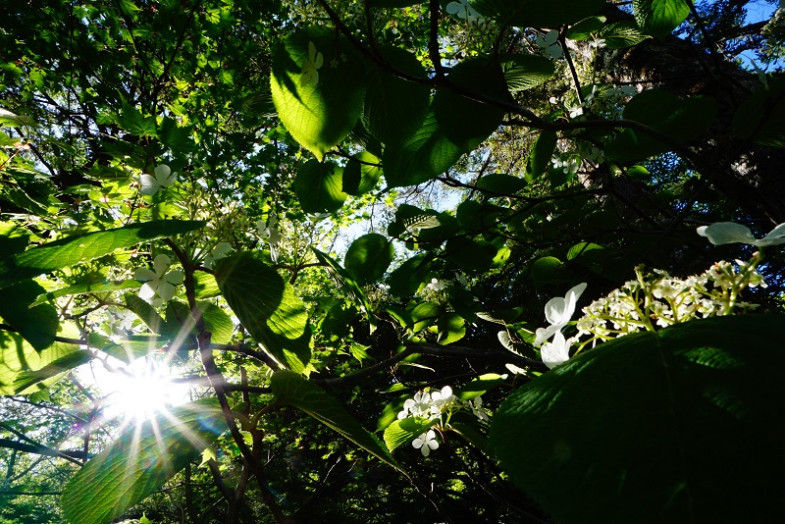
(174, 277)
(555, 352)
(146, 292)
(150, 185)
(143, 274)
(554, 311)
(543, 334)
(166, 290)
(161, 263)
(722, 233)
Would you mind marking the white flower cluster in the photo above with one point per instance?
(427, 403)
(660, 300)
(434, 404)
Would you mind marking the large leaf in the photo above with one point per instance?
(660, 17)
(319, 186)
(680, 119)
(140, 461)
(761, 115)
(73, 250)
(526, 71)
(464, 121)
(294, 390)
(361, 174)
(37, 324)
(267, 307)
(537, 13)
(405, 430)
(425, 155)
(395, 108)
(683, 424)
(19, 360)
(368, 258)
(318, 84)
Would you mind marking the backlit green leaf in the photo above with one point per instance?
(405, 430)
(267, 307)
(368, 258)
(318, 85)
(82, 248)
(140, 461)
(319, 186)
(660, 17)
(537, 13)
(294, 390)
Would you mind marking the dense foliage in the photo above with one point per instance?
(391, 261)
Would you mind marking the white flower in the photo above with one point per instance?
(309, 74)
(555, 352)
(426, 442)
(479, 411)
(271, 234)
(440, 399)
(221, 250)
(158, 281)
(419, 406)
(163, 177)
(558, 312)
(731, 233)
(463, 10)
(549, 43)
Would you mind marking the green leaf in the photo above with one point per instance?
(92, 284)
(581, 249)
(82, 248)
(537, 13)
(37, 324)
(319, 187)
(680, 119)
(760, 116)
(267, 307)
(318, 111)
(469, 254)
(425, 155)
(526, 71)
(501, 183)
(145, 312)
(660, 17)
(451, 328)
(682, 423)
(541, 155)
(69, 361)
(140, 461)
(361, 174)
(18, 357)
(348, 284)
(584, 29)
(464, 121)
(395, 108)
(405, 430)
(621, 35)
(368, 258)
(294, 390)
(217, 322)
(481, 385)
(549, 270)
(394, 3)
(424, 315)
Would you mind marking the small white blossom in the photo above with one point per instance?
(159, 281)
(163, 177)
(426, 442)
(309, 74)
